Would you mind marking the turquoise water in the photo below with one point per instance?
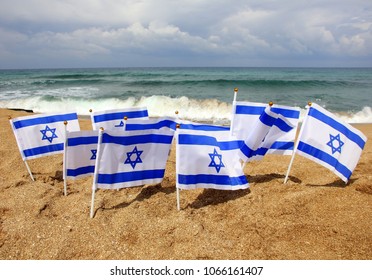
(197, 93)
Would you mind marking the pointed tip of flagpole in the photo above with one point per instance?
(235, 94)
(271, 103)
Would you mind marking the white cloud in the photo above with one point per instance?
(97, 30)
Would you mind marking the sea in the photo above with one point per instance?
(197, 94)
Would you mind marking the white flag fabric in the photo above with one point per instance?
(43, 134)
(208, 159)
(329, 141)
(80, 153)
(113, 119)
(131, 158)
(281, 138)
(255, 138)
(280, 131)
(244, 118)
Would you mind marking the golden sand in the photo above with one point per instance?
(314, 216)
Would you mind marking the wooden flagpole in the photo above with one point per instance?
(233, 111)
(235, 94)
(29, 170)
(91, 118)
(125, 123)
(64, 161)
(98, 158)
(177, 189)
(296, 145)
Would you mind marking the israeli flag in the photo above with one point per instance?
(255, 138)
(80, 153)
(208, 159)
(281, 138)
(43, 134)
(131, 158)
(281, 135)
(329, 141)
(114, 119)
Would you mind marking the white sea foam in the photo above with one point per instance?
(208, 110)
(363, 116)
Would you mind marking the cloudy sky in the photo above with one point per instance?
(130, 33)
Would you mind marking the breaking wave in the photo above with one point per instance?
(205, 110)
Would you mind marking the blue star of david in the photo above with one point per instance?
(340, 143)
(213, 162)
(120, 124)
(136, 160)
(94, 154)
(52, 134)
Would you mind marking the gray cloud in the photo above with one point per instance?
(48, 33)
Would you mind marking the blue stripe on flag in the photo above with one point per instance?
(204, 127)
(262, 150)
(82, 141)
(323, 156)
(281, 145)
(43, 150)
(248, 152)
(158, 125)
(267, 119)
(120, 116)
(187, 139)
(130, 176)
(80, 171)
(137, 139)
(282, 125)
(288, 113)
(337, 126)
(259, 152)
(249, 110)
(211, 179)
(45, 120)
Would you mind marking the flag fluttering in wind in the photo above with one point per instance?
(208, 159)
(281, 138)
(114, 119)
(260, 129)
(80, 153)
(43, 134)
(331, 142)
(278, 134)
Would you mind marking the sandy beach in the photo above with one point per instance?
(314, 216)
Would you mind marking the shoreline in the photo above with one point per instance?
(87, 117)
